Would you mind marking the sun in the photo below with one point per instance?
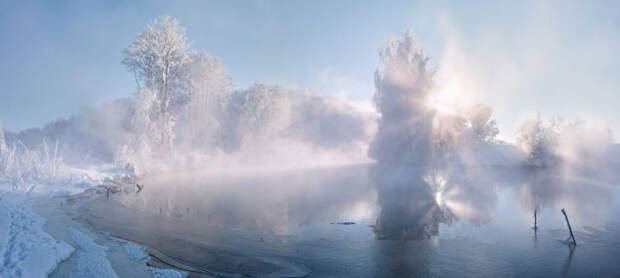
(446, 100)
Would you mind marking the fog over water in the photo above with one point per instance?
(271, 181)
(347, 221)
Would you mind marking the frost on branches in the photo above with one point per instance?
(19, 163)
(187, 112)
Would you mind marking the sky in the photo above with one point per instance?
(556, 58)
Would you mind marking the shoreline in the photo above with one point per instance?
(169, 247)
(96, 254)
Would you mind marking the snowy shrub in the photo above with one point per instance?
(18, 162)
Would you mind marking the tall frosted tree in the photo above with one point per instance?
(409, 129)
(403, 85)
(158, 59)
(181, 98)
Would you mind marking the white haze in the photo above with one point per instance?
(430, 140)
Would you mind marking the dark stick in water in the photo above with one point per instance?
(535, 224)
(569, 228)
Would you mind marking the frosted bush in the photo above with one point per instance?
(42, 163)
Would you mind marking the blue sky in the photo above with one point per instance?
(557, 58)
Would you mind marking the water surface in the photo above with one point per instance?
(361, 221)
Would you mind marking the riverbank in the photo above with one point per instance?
(39, 236)
(177, 243)
(96, 254)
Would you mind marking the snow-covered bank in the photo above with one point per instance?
(97, 254)
(26, 250)
(38, 240)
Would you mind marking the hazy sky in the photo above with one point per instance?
(557, 58)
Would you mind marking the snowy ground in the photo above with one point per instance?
(27, 250)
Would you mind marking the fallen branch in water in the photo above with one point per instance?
(569, 228)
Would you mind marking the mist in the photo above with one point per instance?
(435, 157)
(305, 139)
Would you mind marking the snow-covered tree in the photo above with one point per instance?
(411, 131)
(403, 84)
(260, 113)
(209, 87)
(540, 142)
(158, 60)
(208, 80)
(152, 137)
(186, 112)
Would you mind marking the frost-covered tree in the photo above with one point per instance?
(575, 148)
(145, 146)
(158, 60)
(540, 142)
(186, 112)
(403, 84)
(420, 150)
(328, 122)
(260, 113)
(209, 87)
(208, 81)
(411, 131)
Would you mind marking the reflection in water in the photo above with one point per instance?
(257, 223)
(266, 202)
(413, 202)
(586, 196)
(408, 206)
(468, 193)
(568, 262)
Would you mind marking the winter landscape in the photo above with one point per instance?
(476, 142)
